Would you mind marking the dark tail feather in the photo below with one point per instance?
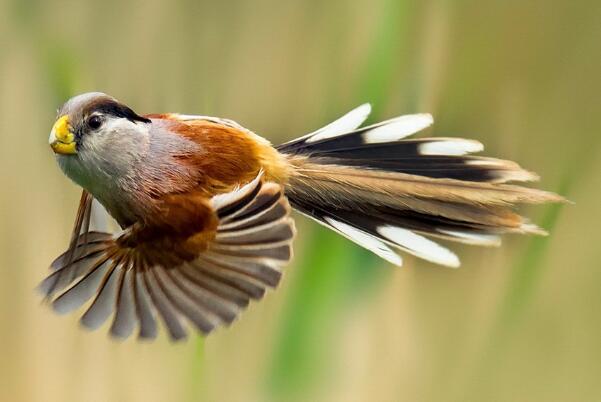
(385, 193)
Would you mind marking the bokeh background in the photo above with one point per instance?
(517, 323)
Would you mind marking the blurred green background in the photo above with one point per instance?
(518, 323)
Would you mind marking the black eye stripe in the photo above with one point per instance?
(111, 108)
(106, 108)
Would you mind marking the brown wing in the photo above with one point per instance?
(206, 277)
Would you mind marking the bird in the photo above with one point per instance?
(204, 207)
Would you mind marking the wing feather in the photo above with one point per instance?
(125, 318)
(166, 311)
(144, 308)
(244, 257)
(104, 303)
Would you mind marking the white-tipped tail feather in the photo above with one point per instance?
(397, 129)
(384, 191)
(450, 147)
(419, 246)
(347, 123)
(476, 239)
(371, 243)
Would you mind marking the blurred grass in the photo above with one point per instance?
(517, 323)
(334, 275)
(526, 272)
(520, 289)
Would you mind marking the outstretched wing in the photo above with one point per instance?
(238, 261)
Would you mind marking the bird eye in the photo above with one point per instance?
(94, 122)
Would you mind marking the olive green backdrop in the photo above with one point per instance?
(518, 323)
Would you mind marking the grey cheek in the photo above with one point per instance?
(72, 168)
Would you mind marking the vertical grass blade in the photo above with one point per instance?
(335, 272)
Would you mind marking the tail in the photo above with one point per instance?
(385, 192)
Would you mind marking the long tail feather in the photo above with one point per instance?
(382, 190)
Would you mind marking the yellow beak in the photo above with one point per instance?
(62, 140)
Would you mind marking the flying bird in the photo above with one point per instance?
(204, 206)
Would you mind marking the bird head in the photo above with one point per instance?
(97, 139)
